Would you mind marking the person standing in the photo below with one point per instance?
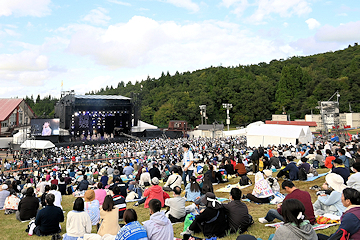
(188, 163)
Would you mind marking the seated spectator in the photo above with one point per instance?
(354, 179)
(42, 198)
(28, 206)
(350, 220)
(295, 227)
(48, 219)
(128, 170)
(344, 158)
(109, 215)
(92, 207)
(62, 186)
(155, 172)
(319, 160)
(4, 193)
(240, 168)
(292, 193)
(212, 222)
(328, 162)
(104, 179)
(176, 204)
(215, 177)
(159, 226)
(173, 180)
(119, 183)
(206, 185)
(304, 165)
(152, 192)
(237, 212)
(192, 190)
(229, 168)
(340, 169)
(145, 178)
(133, 229)
(274, 160)
(11, 204)
(83, 184)
(262, 192)
(119, 201)
(57, 194)
(331, 203)
(290, 171)
(54, 180)
(78, 222)
(100, 193)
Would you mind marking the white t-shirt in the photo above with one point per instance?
(187, 158)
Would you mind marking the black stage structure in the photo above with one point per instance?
(87, 116)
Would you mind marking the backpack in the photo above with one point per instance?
(302, 174)
(244, 180)
(341, 234)
(316, 164)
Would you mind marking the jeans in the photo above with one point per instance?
(272, 215)
(187, 173)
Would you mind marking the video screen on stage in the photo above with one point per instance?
(45, 127)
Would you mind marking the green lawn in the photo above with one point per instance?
(14, 230)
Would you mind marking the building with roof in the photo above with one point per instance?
(14, 112)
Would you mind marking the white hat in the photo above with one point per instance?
(4, 187)
(335, 181)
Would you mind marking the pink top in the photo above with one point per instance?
(100, 195)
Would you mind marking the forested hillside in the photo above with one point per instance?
(256, 91)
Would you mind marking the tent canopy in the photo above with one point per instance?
(37, 144)
(274, 134)
(143, 126)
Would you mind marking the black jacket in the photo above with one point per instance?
(238, 216)
(216, 228)
(48, 219)
(28, 207)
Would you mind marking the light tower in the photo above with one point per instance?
(203, 113)
(228, 106)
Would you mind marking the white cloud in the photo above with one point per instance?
(187, 4)
(97, 16)
(11, 32)
(312, 23)
(284, 8)
(311, 45)
(239, 6)
(35, 8)
(145, 42)
(347, 32)
(120, 3)
(285, 24)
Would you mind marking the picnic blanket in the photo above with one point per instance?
(315, 226)
(315, 177)
(228, 188)
(222, 199)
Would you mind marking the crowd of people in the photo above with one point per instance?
(133, 171)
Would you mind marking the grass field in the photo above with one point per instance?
(14, 230)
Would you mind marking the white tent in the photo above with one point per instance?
(143, 126)
(238, 132)
(275, 134)
(37, 144)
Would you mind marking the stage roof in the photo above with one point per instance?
(7, 106)
(102, 97)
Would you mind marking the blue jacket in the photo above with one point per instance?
(293, 171)
(345, 160)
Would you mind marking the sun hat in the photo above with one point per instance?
(155, 181)
(335, 181)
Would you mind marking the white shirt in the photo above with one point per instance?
(187, 158)
(58, 198)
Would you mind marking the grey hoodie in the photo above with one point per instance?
(159, 227)
(291, 231)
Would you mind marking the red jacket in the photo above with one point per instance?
(155, 192)
(305, 198)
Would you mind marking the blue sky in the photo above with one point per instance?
(90, 44)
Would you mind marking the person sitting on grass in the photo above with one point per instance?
(119, 201)
(354, 179)
(262, 192)
(292, 192)
(350, 220)
(159, 226)
(295, 226)
(237, 212)
(192, 190)
(154, 191)
(133, 229)
(290, 171)
(78, 221)
(28, 206)
(331, 203)
(176, 204)
(48, 219)
(109, 218)
(340, 169)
